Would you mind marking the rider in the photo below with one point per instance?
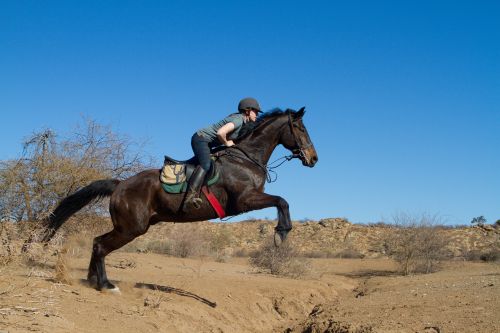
(220, 133)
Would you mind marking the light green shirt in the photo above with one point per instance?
(210, 132)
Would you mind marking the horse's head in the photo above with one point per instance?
(296, 139)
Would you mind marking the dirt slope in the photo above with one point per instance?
(338, 295)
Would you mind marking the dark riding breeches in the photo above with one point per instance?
(201, 150)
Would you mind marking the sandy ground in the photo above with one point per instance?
(337, 295)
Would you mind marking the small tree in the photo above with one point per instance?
(282, 260)
(479, 221)
(416, 243)
(51, 168)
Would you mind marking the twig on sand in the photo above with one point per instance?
(173, 290)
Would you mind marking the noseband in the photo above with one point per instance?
(300, 152)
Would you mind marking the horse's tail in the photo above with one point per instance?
(72, 204)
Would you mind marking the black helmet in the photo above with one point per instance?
(249, 103)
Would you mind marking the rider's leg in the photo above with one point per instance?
(193, 199)
(201, 150)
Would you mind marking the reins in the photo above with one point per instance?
(268, 168)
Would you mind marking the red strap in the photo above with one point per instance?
(214, 202)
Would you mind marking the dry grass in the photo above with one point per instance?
(6, 238)
(61, 274)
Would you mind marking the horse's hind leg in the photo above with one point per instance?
(103, 245)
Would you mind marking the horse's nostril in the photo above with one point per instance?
(314, 159)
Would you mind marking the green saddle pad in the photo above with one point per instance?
(181, 187)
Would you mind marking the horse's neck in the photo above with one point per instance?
(262, 142)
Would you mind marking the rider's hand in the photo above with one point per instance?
(229, 143)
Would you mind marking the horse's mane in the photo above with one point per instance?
(249, 127)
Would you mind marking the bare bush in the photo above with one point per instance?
(219, 241)
(160, 247)
(487, 255)
(241, 253)
(349, 253)
(416, 243)
(491, 255)
(188, 240)
(38, 254)
(282, 260)
(50, 169)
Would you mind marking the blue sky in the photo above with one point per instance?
(402, 98)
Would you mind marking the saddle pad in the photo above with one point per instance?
(181, 186)
(173, 174)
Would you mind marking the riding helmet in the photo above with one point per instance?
(249, 103)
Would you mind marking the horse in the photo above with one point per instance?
(138, 202)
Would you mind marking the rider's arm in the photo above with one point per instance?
(223, 132)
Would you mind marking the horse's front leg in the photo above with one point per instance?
(257, 200)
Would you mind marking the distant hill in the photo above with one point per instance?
(331, 237)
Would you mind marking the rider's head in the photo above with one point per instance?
(250, 107)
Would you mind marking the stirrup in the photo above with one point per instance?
(196, 202)
(192, 201)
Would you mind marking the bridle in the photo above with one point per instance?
(268, 168)
(300, 151)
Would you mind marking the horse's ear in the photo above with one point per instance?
(300, 113)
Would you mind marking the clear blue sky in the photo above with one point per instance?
(402, 98)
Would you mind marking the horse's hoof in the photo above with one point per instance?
(110, 288)
(115, 290)
(277, 240)
(280, 237)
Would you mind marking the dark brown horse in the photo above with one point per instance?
(139, 201)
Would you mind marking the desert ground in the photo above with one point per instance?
(47, 292)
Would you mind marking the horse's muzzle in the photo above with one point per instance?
(310, 162)
(308, 157)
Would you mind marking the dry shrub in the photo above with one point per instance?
(52, 166)
(349, 253)
(62, 274)
(219, 242)
(487, 255)
(188, 240)
(491, 255)
(283, 260)
(87, 224)
(416, 244)
(39, 254)
(159, 247)
(241, 253)
(7, 235)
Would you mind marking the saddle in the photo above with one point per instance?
(175, 174)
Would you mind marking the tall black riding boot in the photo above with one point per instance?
(193, 199)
